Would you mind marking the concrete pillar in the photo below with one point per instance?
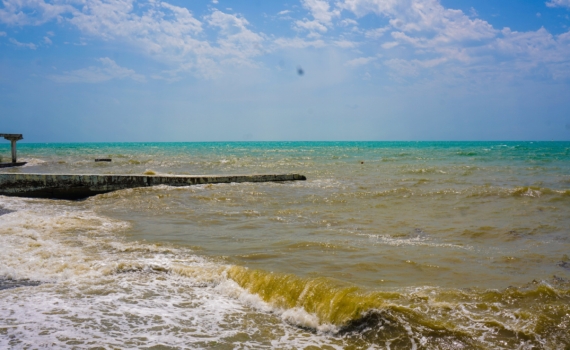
(13, 138)
(13, 142)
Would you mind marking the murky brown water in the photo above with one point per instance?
(427, 245)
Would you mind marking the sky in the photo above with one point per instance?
(299, 70)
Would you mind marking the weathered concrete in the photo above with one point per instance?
(13, 138)
(81, 186)
(9, 165)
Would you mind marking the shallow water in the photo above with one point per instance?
(387, 244)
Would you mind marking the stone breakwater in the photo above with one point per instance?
(63, 186)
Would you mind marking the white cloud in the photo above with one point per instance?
(346, 44)
(236, 40)
(348, 22)
(435, 33)
(376, 33)
(564, 37)
(428, 34)
(360, 61)
(160, 26)
(298, 43)
(321, 13)
(320, 10)
(390, 44)
(108, 70)
(524, 43)
(168, 33)
(32, 12)
(529, 51)
(31, 46)
(426, 20)
(411, 68)
(312, 26)
(558, 3)
(509, 57)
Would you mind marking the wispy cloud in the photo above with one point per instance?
(376, 33)
(345, 44)
(108, 70)
(32, 12)
(31, 46)
(424, 31)
(360, 61)
(299, 43)
(558, 3)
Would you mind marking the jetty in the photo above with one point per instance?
(12, 138)
(64, 186)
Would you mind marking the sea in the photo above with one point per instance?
(386, 245)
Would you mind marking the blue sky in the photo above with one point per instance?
(150, 70)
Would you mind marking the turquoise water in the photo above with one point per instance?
(387, 244)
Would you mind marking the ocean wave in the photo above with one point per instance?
(128, 294)
(429, 170)
(420, 317)
(32, 161)
(459, 191)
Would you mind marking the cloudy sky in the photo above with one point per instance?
(221, 70)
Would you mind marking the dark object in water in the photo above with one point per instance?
(420, 233)
(564, 265)
(103, 159)
(7, 283)
(9, 165)
(4, 211)
(559, 280)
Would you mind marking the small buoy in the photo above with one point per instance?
(102, 159)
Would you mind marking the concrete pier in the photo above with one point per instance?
(12, 138)
(61, 186)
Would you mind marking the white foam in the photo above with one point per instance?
(410, 241)
(101, 290)
(32, 161)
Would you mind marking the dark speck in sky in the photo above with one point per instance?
(300, 70)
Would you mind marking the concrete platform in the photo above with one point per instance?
(10, 165)
(61, 186)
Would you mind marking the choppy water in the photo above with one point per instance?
(386, 245)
